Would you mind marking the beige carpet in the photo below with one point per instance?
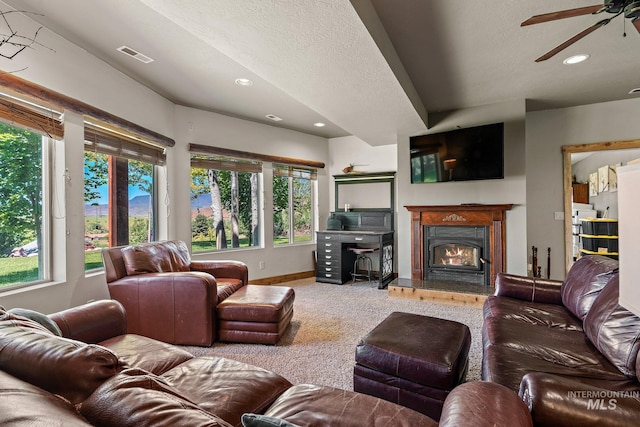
(319, 346)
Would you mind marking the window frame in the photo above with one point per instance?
(297, 172)
(229, 164)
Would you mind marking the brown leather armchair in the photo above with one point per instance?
(167, 296)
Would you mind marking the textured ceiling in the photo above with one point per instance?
(370, 68)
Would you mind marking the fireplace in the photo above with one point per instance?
(458, 242)
(457, 253)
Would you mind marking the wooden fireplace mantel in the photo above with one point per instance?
(492, 216)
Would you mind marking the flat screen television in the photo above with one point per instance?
(459, 155)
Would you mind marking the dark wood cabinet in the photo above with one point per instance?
(580, 193)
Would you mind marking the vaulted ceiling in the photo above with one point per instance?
(369, 68)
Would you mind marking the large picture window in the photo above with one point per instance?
(23, 213)
(293, 194)
(225, 203)
(119, 191)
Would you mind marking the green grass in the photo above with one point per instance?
(18, 270)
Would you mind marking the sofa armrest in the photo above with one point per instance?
(175, 307)
(561, 401)
(93, 322)
(223, 268)
(532, 289)
(481, 403)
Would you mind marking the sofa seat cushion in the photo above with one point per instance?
(135, 398)
(29, 351)
(226, 287)
(584, 281)
(24, 404)
(145, 353)
(613, 329)
(308, 405)
(507, 366)
(546, 315)
(563, 401)
(557, 346)
(156, 257)
(226, 387)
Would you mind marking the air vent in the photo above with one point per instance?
(273, 117)
(135, 54)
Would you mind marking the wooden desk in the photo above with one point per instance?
(335, 262)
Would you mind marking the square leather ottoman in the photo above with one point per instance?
(255, 314)
(413, 360)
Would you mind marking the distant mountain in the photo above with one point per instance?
(139, 205)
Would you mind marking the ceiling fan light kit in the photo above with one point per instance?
(630, 8)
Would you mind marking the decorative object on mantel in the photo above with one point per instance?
(534, 261)
(351, 168)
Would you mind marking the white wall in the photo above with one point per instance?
(629, 228)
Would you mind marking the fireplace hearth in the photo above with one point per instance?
(460, 243)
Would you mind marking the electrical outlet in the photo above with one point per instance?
(559, 216)
(261, 265)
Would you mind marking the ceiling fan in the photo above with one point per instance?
(630, 8)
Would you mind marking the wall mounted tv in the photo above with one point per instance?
(458, 155)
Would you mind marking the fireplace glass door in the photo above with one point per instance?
(456, 255)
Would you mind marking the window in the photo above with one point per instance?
(292, 204)
(225, 203)
(119, 191)
(23, 214)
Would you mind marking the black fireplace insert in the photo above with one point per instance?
(457, 254)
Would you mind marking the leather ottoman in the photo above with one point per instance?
(413, 360)
(255, 314)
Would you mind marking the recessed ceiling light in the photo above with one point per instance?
(273, 117)
(244, 82)
(319, 124)
(634, 91)
(576, 59)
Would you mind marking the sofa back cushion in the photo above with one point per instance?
(585, 280)
(613, 329)
(62, 366)
(23, 404)
(156, 257)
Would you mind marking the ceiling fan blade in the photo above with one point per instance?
(572, 40)
(569, 13)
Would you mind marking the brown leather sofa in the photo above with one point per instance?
(98, 374)
(567, 347)
(171, 298)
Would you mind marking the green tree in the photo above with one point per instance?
(20, 187)
(280, 205)
(96, 174)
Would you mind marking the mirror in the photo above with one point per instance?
(601, 196)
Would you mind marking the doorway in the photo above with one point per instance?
(567, 152)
